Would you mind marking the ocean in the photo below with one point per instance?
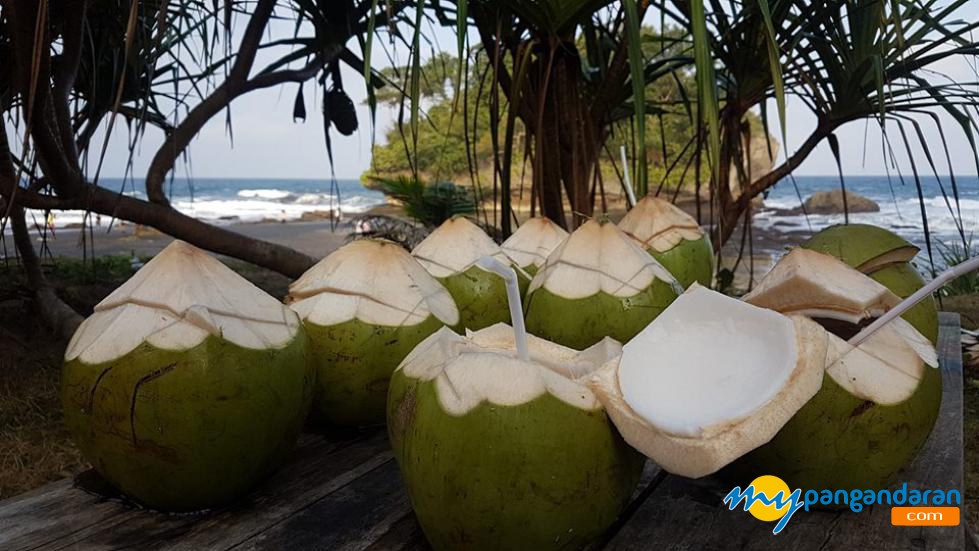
(233, 200)
(900, 208)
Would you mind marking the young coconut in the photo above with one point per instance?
(878, 402)
(187, 384)
(501, 447)
(710, 379)
(886, 257)
(450, 254)
(533, 241)
(365, 307)
(597, 283)
(674, 239)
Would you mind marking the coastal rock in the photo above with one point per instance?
(831, 202)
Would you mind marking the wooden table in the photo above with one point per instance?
(346, 493)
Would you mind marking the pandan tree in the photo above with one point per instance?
(70, 67)
(570, 71)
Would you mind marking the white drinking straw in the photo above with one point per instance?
(906, 304)
(491, 264)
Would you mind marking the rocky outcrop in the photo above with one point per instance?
(831, 202)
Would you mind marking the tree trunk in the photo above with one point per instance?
(60, 317)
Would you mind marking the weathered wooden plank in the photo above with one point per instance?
(684, 514)
(318, 466)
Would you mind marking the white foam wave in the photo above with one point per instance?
(902, 216)
(264, 193)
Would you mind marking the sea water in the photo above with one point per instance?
(239, 200)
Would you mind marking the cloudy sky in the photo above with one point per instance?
(268, 144)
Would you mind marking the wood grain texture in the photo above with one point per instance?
(347, 493)
(685, 514)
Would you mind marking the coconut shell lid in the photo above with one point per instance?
(374, 281)
(598, 256)
(483, 367)
(174, 302)
(454, 247)
(659, 225)
(815, 284)
(533, 241)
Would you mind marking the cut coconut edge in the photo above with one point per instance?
(600, 257)
(533, 242)
(174, 302)
(659, 225)
(660, 409)
(483, 367)
(374, 281)
(456, 246)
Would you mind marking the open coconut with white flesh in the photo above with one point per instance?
(187, 384)
(674, 239)
(599, 282)
(886, 257)
(711, 379)
(533, 242)
(878, 402)
(499, 452)
(450, 253)
(365, 307)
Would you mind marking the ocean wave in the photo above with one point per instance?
(902, 216)
(264, 194)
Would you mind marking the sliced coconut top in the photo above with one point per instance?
(867, 248)
(374, 281)
(710, 379)
(454, 247)
(598, 256)
(174, 302)
(887, 367)
(483, 367)
(533, 241)
(659, 225)
(819, 285)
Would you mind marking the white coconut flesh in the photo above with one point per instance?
(179, 298)
(533, 241)
(885, 369)
(483, 367)
(599, 257)
(376, 282)
(711, 379)
(659, 225)
(454, 247)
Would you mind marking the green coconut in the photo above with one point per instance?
(365, 307)
(878, 403)
(531, 244)
(674, 239)
(710, 379)
(863, 246)
(188, 384)
(502, 453)
(450, 253)
(598, 283)
(886, 257)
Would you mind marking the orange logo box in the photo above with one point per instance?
(925, 516)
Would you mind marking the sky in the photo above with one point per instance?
(267, 143)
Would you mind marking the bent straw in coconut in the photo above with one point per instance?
(509, 276)
(948, 275)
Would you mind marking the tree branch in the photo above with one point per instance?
(178, 140)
